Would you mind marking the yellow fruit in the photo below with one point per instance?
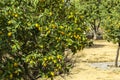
(61, 27)
(52, 73)
(56, 70)
(46, 76)
(69, 34)
(11, 76)
(50, 57)
(10, 34)
(81, 17)
(52, 21)
(41, 46)
(53, 26)
(54, 61)
(50, 13)
(15, 64)
(62, 33)
(70, 16)
(74, 36)
(29, 24)
(59, 56)
(10, 22)
(40, 29)
(48, 32)
(31, 62)
(45, 59)
(37, 25)
(78, 36)
(59, 67)
(79, 29)
(44, 64)
(16, 15)
(56, 38)
(47, 28)
(16, 72)
(71, 13)
(75, 20)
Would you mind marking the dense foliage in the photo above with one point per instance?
(112, 23)
(92, 11)
(34, 35)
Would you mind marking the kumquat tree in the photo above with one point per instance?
(112, 23)
(34, 35)
(92, 12)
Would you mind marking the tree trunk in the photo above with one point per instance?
(95, 27)
(94, 35)
(116, 59)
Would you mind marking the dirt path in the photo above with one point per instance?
(102, 51)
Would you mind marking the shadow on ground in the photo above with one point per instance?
(97, 46)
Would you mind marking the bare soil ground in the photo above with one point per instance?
(101, 51)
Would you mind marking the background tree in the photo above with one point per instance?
(91, 11)
(112, 23)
